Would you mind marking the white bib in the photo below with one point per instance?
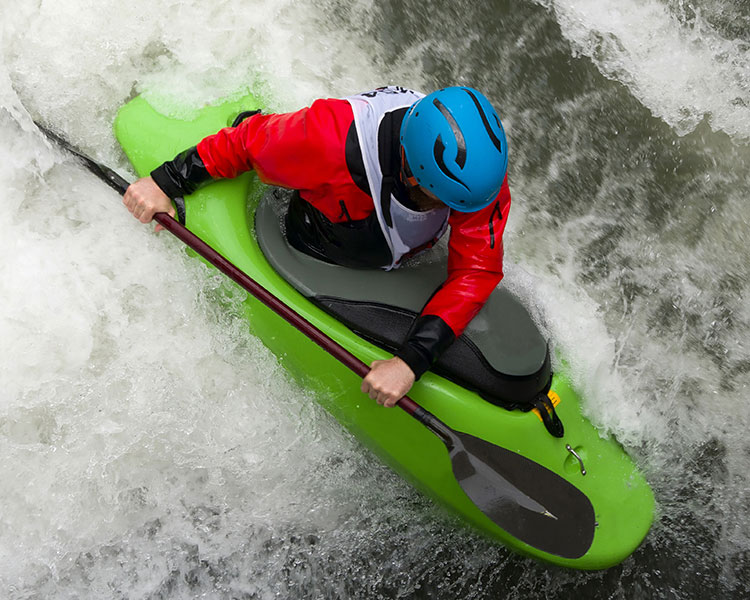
(408, 230)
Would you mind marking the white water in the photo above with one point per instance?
(673, 61)
(151, 448)
(137, 417)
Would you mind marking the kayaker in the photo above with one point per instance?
(380, 176)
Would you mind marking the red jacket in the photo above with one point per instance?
(305, 150)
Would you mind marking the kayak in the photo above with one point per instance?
(501, 356)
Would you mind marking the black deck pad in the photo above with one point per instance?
(501, 354)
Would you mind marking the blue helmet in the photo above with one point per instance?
(454, 146)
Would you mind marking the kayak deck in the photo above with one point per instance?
(222, 215)
(501, 355)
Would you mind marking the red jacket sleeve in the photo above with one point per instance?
(303, 150)
(475, 263)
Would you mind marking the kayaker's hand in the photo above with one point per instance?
(388, 381)
(144, 199)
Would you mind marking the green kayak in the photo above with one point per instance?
(367, 312)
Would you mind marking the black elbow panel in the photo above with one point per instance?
(182, 175)
(428, 338)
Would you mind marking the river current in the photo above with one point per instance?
(152, 448)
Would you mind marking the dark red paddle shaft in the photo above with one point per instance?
(470, 456)
(276, 305)
(114, 180)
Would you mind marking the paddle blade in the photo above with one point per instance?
(527, 500)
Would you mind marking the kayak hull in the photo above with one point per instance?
(222, 215)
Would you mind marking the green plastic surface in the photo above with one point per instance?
(221, 214)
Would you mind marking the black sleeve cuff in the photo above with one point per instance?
(182, 175)
(165, 182)
(416, 361)
(428, 338)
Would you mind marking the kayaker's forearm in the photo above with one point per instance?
(446, 315)
(429, 337)
(462, 296)
(182, 175)
(187, 171)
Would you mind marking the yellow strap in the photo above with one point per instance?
(554, 398)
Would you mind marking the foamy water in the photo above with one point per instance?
(152, 448)
(668, 55)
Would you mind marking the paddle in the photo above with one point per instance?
(520, 496)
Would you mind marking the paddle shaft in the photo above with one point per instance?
(449, 437)
(112, 179)
(263, 295)
(482, 469)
